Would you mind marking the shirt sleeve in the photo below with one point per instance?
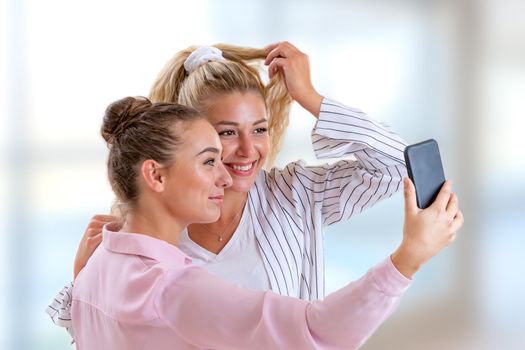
(210, 313)
(344, 188)
(60, 309)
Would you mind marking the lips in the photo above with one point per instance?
(242, 169)
(217, 199)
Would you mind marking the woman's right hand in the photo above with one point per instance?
(295, 66)
(90, 241)
(426, 231)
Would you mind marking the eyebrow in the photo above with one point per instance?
(225, 122)
(209, 149)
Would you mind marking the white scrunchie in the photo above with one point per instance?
(202, 55)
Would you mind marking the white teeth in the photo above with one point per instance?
(242, 167)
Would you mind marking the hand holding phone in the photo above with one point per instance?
(425, 170)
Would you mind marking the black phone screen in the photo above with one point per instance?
(425, 170)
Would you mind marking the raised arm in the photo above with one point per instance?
(210, 313)
(336, 191)
(347, 187)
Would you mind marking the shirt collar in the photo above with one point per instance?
(143, 245)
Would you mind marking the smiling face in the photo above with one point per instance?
(195, 183)
(241, 121)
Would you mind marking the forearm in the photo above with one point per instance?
(404, 262)
(348, 317)
(249, 319)
(342, 131)
(312, 102)
(77, 267)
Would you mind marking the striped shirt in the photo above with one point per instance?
(289, 207)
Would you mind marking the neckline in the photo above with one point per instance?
(208, 255)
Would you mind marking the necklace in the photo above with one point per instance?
(220, 236)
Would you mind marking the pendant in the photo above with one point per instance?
(220, 238)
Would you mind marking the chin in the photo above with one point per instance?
(207, 220)
(207, 216)
(215, 216)
(242, 186)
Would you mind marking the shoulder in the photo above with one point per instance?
(282, 189)
(267, 178)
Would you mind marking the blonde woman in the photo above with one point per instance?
(270, 232)
(139, 291)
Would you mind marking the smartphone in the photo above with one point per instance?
(425, 170)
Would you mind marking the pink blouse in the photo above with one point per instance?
(138, 292)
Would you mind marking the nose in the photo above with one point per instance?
(246, 147)
(223, 179)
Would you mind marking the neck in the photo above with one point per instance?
(232, 205)
(154, 221)
(213, 237)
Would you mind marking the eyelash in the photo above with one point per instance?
(210, 162)
(227, 133)
(232, 132)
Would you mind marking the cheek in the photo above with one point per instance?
(203, 182)
(228, 148)
(190, 181)
(260, 143)
(263, 146)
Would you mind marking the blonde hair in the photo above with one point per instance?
(239, 72)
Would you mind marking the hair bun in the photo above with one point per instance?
(120, 115)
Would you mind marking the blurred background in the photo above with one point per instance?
(451, 70)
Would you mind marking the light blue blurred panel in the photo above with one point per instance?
(502, 268)
(53, 245)
(368, 238)
(4, 247)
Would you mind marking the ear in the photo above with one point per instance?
(153, 175)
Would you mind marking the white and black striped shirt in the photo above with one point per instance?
(291, 206)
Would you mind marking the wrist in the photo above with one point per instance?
(312, 102)
(77, 266)
(404, 262)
